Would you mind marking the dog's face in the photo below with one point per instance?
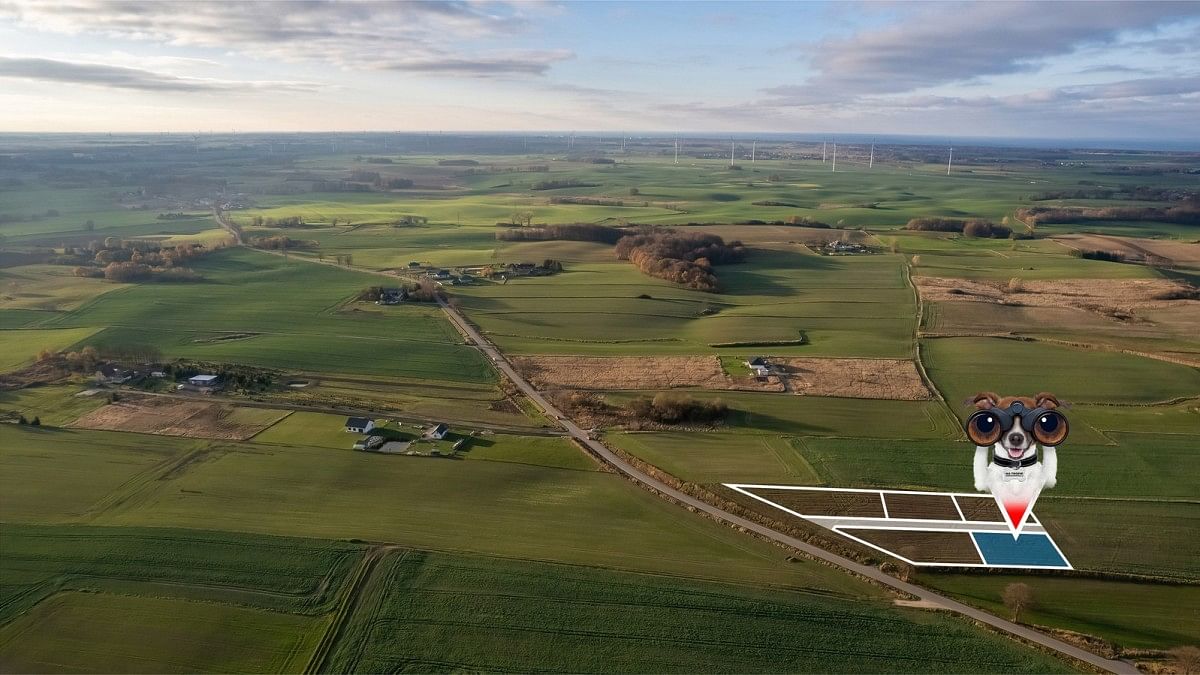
(1015, 442)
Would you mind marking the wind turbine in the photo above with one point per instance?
(871, 163)
(823, 143)
(950, 160)
(753, 146)
(676, 149)
(834, 170)
(732, 145)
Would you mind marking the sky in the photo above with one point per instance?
(986, 69)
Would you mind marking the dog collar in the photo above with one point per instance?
(1015, 463)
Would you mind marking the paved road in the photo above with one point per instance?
(617, 462)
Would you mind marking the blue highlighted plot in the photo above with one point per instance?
(1028, 550)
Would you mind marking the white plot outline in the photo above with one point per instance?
(905, 524)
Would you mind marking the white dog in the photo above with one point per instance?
(1011, 428)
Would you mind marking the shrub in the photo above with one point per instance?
(670, 408)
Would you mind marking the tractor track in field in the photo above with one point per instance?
(629, 470)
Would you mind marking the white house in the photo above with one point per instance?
(438, 432)
(359, 425)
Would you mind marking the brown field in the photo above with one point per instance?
(174, 417)
(640, 372)
(936, 507)
(927, 547)
(895, 379)
(980, 509)
(1111, 297)
(822, 503)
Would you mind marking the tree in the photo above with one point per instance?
(1187, 660)
(89, 226)
(633, 192)
(37, 421)
(1017, 598)
(44, 355)
(21, 420)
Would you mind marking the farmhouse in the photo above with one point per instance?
(839, 246)
(203, 381)
(392, 296)
(359, 425)
(438, 432)
(759, 366)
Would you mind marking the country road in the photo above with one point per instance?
(924, 595)
(617, 462)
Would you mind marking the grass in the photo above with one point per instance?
(1132, 615)
(86, 632)
(500, 508)
(19, 348)
(1075, 375)
(60, 475)
(72, 596)
(773, 413)
(721, 457)
(539, 451)
(56, 405)
(48, 288)
(1149, 538)
(298, 314)
(844, 306)
(465, 613)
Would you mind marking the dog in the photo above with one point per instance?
(1011, 429)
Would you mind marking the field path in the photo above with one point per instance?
(617, 462)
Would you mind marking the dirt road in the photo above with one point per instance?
(924, 595)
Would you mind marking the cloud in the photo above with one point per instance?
(525, 63)
(944, 43)
(120, 77)
(403, 36)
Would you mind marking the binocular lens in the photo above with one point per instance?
(983, 428)
(1050, 428)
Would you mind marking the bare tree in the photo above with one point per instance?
(1187, 660)
(1017, 598)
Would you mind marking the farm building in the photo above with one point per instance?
(392, 296)
(759, 366)
(438, 432)
(113, 374)
(203, 380)
(359, 425)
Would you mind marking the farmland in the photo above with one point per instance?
(236, 530)
(457, 611)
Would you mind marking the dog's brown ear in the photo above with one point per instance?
(1046, 400)
(985, 400)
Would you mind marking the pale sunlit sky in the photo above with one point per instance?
(1068, 69)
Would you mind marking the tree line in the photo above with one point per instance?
(974, 227)
(1186, 213)
(685, 259)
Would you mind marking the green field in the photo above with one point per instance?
(197, 601)
(843, 306)
(20, 347)
(473, 614)
(1074, 375)
(1145, 616)
(289, 315)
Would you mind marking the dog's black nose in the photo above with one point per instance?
(1016, 439)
